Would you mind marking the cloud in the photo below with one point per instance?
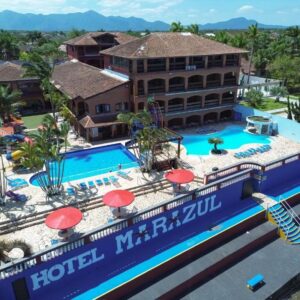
(212, 10)
(245, 8)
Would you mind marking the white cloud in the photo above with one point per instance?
(212, 10)
(281, 12)
(245, 8)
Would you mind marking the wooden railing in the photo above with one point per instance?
(207, 178)
(19, 266)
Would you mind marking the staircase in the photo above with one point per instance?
(287, 220)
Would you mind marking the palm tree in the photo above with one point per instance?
(176, 27)
(9, 102)
(252, 35)
(194, 28)
(222, 37)
(3, 182)
(216, 141)
(255, 98)
(239, 40)
(294, 34)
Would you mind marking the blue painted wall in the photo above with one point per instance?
(287, 128)
(113, 264)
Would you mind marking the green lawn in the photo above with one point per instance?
(267, 104)
(32, 122)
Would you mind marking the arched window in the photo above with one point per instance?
(156, 86)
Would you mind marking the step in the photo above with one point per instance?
(282, 218)
(293, 232)
(295, 237)
(287, 224)
(296, 242)
(276, 207)
(278, 212)
(180, 275)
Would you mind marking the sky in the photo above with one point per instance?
(275, 12)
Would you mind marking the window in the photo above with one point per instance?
(102, 108)
(122, 106)
(120, 62)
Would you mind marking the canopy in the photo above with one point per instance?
(64, 218)
(118, 198)
(180, 176)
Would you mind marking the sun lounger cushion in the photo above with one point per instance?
(255, 281)
(99, 182)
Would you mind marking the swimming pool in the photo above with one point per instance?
(95, 161)
(233, 136)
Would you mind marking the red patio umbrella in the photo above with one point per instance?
(118, 198)
(64, 218)
(180, 176)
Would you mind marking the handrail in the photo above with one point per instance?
(283, 225)
(249, 165)
(105, 230)
(291, 212)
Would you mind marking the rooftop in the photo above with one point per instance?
(171, 44)
(89, 39)
(76, 79)
(12, 71)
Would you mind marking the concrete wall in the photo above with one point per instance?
(287, 128)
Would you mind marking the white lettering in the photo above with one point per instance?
(122, 239)
(83, 262)
(38, 278)
(214, 206)
(190, 216)
(203, 212)
(70, 265)
(142, 234)
(94, 256)
(159, 223)
(60, 274)
(176, 219)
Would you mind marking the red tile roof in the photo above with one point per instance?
(171, 44)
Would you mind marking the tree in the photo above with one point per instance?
(289, 111)
(3, 181)
(9, 103)
(222, 37)
(75, 33)
(8, 46)
(194, 28)
(239, 40)
(286, 68)
(34, 36)
(216, 141)
(252, 35)
(176, 27)
(255, 98)
(295, 109)
(44, 156)
(294, 34)
(279, 91)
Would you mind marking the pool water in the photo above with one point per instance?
(95, 161)
(233, 136)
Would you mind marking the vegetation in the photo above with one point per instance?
(279, 91)
(32, 122)
(254, 98)
(9, 103)
(44, 156)
(215, 141)
(7, 246)
(3, 181)
(294, 110)
(267, 104)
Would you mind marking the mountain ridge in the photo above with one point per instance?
(92, 21)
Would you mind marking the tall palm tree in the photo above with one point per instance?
(194, 28)
(294, 34)
(239, 40)
(222, 37)
(9, 102)
(252, 35)
(176, 27)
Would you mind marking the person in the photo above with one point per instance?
(120, 166)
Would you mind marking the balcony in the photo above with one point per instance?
(230, 81)
(156, 90)
(176, 88)
(227, 100)
(156, 65)
(213, 83)
(232, 63)
(215, 63)
(194, 106)
(211, 103)
(175, 108)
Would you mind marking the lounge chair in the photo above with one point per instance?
(255, 282)
(16, 197)
(106, 181)
(114, 180)
(99, 182)
(124, 175)
(83, 186)
(17, 183)
(238, 155)
(70, 191)
(91, 184)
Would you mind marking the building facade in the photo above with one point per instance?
(12, 75)
(86, 48)
(194, 80)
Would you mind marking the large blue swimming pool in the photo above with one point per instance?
(95, 161)
(233, 136)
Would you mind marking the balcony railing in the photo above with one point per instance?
(195, 86)
(211, 103)
(178, 66)
(157, 68)
(176, 88)
(141, 92)
(231, 63)
(175, 108)
(195, 105)
(230, 81)
(215, 63)
(228, 100)
(155, 90)
(213, 83)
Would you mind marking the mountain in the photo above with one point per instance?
(89, 21)
(236, 24)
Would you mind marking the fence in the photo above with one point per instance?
(16, 267)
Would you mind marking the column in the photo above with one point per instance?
(134, 66)
(187, 61)
(204, 81)
(203, 101)
(220, 99)
(184, 103)
(145, 65)
(166, 85)
(206, 62)
(186, 83)
(222, 79)
(224, 60)
(146, 87)
(167, 64)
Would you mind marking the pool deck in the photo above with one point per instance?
(40, 235)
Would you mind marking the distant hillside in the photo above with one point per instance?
(89, 21)
(236, 24)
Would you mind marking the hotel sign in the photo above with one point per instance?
(127, 240)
